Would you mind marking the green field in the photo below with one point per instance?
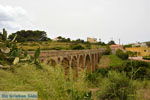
(110, 61)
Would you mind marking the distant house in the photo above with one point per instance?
(139, 44)
(141, 51)
(91, 40)
(115, 47)
(143, 45)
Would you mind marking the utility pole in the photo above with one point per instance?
(119, 41)
(99, 40)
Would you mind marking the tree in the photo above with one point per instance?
(111, 42)
(101, 43)
(78, 41)
(88, 45)
(59, 37)
(63, 39)
(1, 36)
(4, 36)
(29, 35)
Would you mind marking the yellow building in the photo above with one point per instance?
(141, 51)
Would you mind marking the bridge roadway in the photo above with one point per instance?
(75, 59)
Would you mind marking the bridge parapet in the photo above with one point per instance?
(56, 53)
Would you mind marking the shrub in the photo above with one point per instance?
(88, 46)
(133, 69)
(116, 87)
(103, 71)
(137, 69)
(93, 78)
(107, 51)
(56, 48)
(122, 55)
(127, 46)
(131, 54)
(146, 57)
(76, 47)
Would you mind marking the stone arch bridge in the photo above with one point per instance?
(75, 59)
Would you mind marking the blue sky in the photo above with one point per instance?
(128, 20)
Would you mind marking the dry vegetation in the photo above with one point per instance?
(51, 45)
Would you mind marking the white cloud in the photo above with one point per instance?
(128, 20)
(14, 18)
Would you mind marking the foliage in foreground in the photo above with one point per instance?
(11, 55)
(51, 83)
(119, 83)
(116, 87)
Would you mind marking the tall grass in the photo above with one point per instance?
(50, 82)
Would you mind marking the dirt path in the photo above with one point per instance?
(144, 94)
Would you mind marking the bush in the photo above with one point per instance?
(107, 51)
(131, 54)
(88, 45)
(103, 71)
(122, 55)
(137, 69)
(56, 48)
(146, 57)
(116, 87)
(133, 69)
(93, 78)
(76, 47)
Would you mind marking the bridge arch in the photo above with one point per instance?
(74, 65)
(81, 61)
(51, 62)
(66, 64)
(88, 62)
(93, 62)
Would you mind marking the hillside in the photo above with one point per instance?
(52, 45)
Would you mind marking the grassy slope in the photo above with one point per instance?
(104, 62)
(115, 61)
(110, 60)
(50, 45)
